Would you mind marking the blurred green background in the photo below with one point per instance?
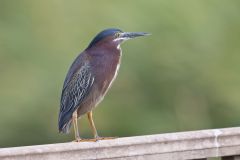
(186, 76)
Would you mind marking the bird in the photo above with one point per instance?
(89, 78)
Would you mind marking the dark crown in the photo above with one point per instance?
(103, 34)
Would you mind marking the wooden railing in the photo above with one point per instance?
(203, 144)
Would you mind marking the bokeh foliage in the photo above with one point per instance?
(186, 76)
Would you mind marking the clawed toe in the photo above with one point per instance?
(94, 139)
(77, 140)
(105, 138)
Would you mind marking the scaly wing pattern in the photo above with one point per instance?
(74, 92)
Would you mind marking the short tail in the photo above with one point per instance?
(64, 123)
(65, 128)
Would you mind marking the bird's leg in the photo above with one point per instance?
(75, 126)
(90, 119)
(96, 137)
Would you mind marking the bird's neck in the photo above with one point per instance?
(106, 50)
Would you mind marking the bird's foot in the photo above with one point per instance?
(104, 138)
(77, 140)
(84, 140)
(94, 139)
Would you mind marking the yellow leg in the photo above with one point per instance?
(75, 126)
(96, 137)
(77, 137)
(94, 130)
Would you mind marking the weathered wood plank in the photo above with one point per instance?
(172, 146)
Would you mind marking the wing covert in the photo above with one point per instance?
(74, 93)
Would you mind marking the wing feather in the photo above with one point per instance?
(74, 92)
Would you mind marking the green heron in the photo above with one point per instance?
(89, 78)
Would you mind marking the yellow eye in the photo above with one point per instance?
(117, 34)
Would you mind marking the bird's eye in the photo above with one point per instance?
(117, 34)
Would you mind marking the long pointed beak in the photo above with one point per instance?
(130, 35)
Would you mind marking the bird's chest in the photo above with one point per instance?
(106, 71)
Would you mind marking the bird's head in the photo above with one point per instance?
(114, 37)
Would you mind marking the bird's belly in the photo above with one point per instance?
(90, 102)
(98, 91)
